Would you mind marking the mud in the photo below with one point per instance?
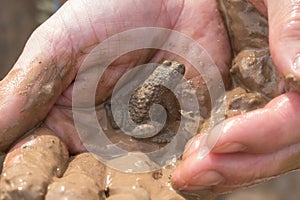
(238, 101)
(32, 99)
(31, 165)
(83, 179)
(152, 185)
(293, 82)
(254, 71)
(2, 157)
(247, 28)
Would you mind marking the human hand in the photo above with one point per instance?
(39, 87)
(261, 144)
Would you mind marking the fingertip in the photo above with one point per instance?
(284, 36)
(185, 171)
(217, 143)
(230, 147)
(215, 134)
(177, 181)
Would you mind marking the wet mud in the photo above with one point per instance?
(83, 179)
(31, 165)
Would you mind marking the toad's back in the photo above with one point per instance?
(157, 88)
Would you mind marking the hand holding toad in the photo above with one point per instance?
(260, 144)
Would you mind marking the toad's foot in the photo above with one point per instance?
(165, 136)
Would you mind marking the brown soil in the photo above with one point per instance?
(31, 165)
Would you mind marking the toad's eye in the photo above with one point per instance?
(181, 66)
(175, 72)
(167, 63)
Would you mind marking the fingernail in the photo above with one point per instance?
(193, 144)
(230, 148)
(188, 146)
(204, 151)
(204, 180)
(193, 188)
(214, 134)
(210, 140)
(176, 180)
(296, 65)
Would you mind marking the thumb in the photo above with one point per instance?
(284, 36)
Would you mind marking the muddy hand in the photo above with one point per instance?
(39, 87)
(260, 144)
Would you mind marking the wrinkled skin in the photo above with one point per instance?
(55, 51)
(260, 144)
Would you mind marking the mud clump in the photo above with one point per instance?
(83, 179)
(238, 101)
(293, 82)
(31, 165)
(247, 28)
(142, 186)
(254, 71)
(2, 157)
(129, 193)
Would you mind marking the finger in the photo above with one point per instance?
(178, 17)
(205, 28)
(261, 131)
(32, 164)
(284, 37)
(209, 25)
(226, 172)
(56, 49)
(194, 144)
(260, 6)
(60, 120)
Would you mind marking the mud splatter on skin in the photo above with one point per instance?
(293, 82)
(34, 96)
(2, 157)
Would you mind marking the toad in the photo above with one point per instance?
(156, 89)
